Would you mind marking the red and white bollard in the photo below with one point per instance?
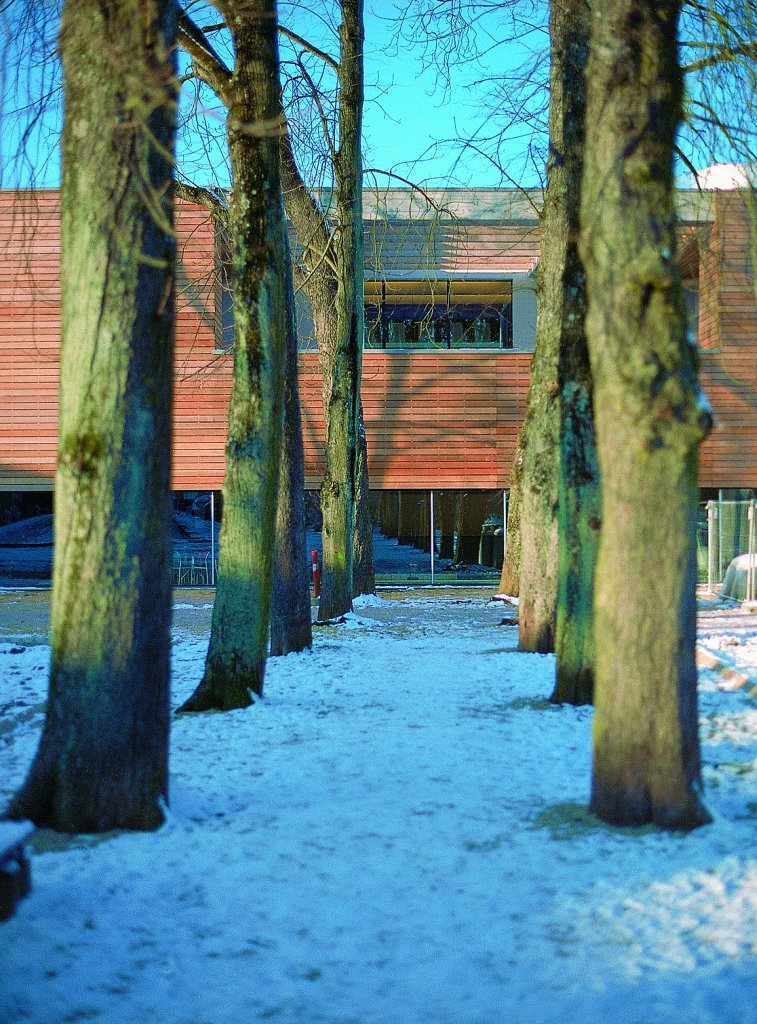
(316, 573)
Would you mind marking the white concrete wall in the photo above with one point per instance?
(524, 314)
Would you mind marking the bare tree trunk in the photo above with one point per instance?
(102, 761)
(579, 496)
(650, 421)
(342, 440)
(263, 300)
(509, 582)
(363, 571)
(333, 284)
(291, 621)
(540, 438)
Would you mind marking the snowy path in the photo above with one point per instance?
(396, 833)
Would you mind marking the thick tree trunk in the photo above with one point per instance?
(103, 756)
(579, 497)
(540, 438)
(509, 582)
(363, 570)
(291, 621)
(235, 665)
(650, 420)
(579, 523)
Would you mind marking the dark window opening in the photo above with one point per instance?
(447, 314)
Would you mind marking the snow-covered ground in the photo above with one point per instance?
(395, 833)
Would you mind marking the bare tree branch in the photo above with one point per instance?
(724, 55)
(209, 66)
(321, 54)
(211, 198)
(319, 107)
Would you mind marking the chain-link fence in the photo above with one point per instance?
(727, 547)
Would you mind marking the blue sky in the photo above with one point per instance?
(409, 116)
(412, 112)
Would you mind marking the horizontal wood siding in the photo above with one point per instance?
(29, 338)
(729, 362)
(444, 418)
(426, 250)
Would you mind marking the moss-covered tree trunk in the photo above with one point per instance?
(363, 570)
(262, 296)
(333, 283)
(540, 441)
(650, 421)
(291, 623)
(579, 496)
(509, 582)
(102, 761)
(342, 439)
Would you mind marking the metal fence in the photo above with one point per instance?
(728, 531)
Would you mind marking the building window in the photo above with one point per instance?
(691, 299)
(400, 315)
(438, 314)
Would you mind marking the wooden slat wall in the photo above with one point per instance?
(203, 376)
(423, 249)
(29, 338)
(446, 419)
(728, 336)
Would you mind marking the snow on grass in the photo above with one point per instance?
(735, 650)
(397, 833)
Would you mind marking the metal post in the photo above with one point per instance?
(433, 535)
(212, 538)
(710, 544)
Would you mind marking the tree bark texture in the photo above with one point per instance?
(363, 569)
(291, 625)
(262, 297)
(102, 761)
(333, 283)
(540, 440)
(509, 582)
(342, 441)
(579, 514)
(650, 421)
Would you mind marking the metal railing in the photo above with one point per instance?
(728, 531)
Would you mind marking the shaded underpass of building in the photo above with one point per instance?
(468, 538)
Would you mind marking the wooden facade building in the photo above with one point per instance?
(450, 307)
